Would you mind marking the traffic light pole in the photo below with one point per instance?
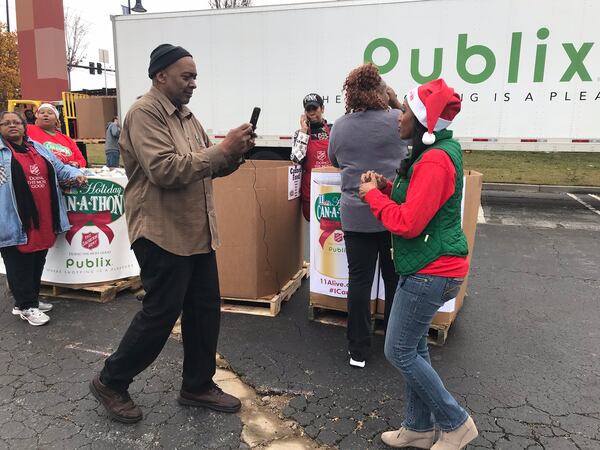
(79, 66)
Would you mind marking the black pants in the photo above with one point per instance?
(362, 250)
(174, 285)
(24, 274)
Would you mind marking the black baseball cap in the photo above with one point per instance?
(312, 100)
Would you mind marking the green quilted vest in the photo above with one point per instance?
(443, 235)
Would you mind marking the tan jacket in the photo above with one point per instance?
(170, 163)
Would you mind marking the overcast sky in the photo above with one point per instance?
(97, 14)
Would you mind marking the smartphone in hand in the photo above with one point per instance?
(254, 117)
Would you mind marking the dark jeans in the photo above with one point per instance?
(112, 158)
(24, 275)
(362, 250)
(174, 285)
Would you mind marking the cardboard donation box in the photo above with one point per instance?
(329, 264)
(471, 202)
(93, 113)
(260, 228)
(96, 249)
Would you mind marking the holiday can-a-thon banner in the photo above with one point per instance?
(96, 249)
(329, 263)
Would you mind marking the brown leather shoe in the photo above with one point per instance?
(118, 405)
(213, 398)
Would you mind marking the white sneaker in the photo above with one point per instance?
(43, 307)
(34, 316)
(358, 362)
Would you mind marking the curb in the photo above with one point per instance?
(545, 188)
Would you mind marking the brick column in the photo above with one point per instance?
(42, 50)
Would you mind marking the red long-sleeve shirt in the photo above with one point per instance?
(431, 185)
(63, 147)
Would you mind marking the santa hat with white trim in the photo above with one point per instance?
(435, 105)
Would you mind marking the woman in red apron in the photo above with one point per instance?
(310, 145)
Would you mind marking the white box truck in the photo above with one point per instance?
(528, 70)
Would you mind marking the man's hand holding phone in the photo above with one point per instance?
(238, 141)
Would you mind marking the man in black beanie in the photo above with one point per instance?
(170, 163)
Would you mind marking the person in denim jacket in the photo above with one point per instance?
(33, 212)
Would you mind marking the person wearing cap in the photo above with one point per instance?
(310, 144)
(366, 137)
(170, 163)
(46, 131)
(422, 210)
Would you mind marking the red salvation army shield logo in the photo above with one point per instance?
(34, 169)
(90, 240)
(338, 236)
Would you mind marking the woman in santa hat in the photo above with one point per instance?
(422, 210)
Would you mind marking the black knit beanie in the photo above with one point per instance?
(163, 56)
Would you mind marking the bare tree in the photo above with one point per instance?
(223, 4)
(76, 31)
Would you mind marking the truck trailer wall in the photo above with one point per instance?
(525, 69)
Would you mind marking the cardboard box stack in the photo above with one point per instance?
(260, 230)
(93, 113)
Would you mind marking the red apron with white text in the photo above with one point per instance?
(316, 156)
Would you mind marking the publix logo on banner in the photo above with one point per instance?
(98, 204)
(575, 68)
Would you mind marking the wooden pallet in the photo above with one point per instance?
(267, 306)
(96, 292)
(324, 315)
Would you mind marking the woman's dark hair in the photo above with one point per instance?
(417, 148)
(362, 87)
(19, 115)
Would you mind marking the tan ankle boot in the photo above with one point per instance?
(457, 439)
(406, 438)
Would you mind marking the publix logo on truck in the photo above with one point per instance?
(96, 205)
(575, 69)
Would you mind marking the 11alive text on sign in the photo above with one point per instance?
(96, 248)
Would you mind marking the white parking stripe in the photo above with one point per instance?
(587, 205)
(481, 216)
(595, 196)
(88, 350)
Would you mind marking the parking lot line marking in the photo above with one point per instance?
(594, 196)
(89, 350)
(481, 216)
(587, 205)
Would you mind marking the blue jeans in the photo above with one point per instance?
(112, 158)
(418, 297)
